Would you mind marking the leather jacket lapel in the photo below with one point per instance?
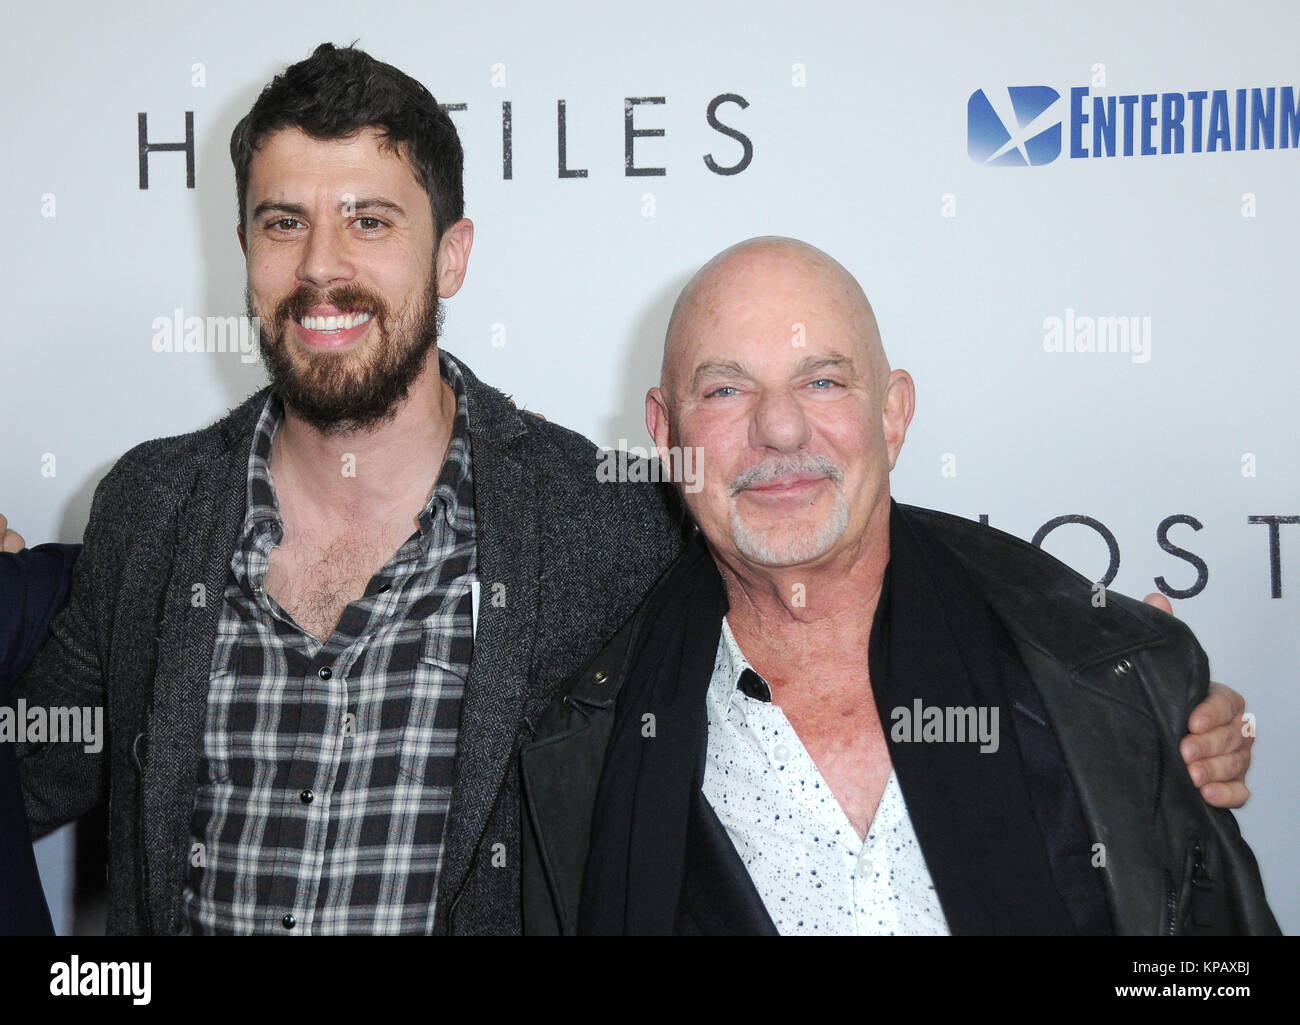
(1117, 801)
(559, 775)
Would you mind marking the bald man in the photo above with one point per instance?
(836, 714)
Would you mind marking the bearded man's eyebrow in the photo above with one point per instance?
(376, 203)
(298, 210)
(279, 207)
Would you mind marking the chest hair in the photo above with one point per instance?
(315, 579)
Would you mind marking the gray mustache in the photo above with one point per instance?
(762, 473)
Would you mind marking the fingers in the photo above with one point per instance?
(1226, 795)
(1222, 706)
(1219, 741)
(1160, 602)
(1218, 759)
(1229, 768)
(10, 540)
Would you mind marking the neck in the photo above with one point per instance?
(820, 599)
(369, 474)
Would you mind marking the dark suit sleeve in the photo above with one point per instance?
(22, 902)
(63, 781)
(34, 585)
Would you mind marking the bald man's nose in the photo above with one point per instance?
(778, 421)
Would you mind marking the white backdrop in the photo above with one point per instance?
(857, 114)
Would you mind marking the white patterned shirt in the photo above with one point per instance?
(816, 876)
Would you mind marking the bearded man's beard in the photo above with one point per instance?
(342, 393)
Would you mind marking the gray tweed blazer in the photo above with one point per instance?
(575, 556)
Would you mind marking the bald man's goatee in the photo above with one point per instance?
(805, 547)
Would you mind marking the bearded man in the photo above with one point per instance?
(314, 720)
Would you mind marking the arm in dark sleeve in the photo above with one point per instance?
(63, 781)
(34, 586)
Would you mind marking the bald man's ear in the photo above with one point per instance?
(656, 420)
(896, 411)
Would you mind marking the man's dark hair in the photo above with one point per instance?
(337, 92)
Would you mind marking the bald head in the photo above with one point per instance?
(775, 379)
(776, 280)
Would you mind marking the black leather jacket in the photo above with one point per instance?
(1118, 682)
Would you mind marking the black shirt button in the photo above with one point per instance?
(307, 797)
(288, 921)
(755, 686)
(324, 672)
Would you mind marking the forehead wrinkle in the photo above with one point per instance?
(788, 264)
(346, 154)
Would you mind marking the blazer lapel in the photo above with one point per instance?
(207, 526)
(506, 528)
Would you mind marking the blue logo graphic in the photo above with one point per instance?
(1013, 127)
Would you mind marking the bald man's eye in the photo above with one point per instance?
(824, 384)
(726, 391)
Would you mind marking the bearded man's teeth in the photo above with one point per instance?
(343, 323)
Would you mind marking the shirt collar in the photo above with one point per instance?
(734, 673)
(452, 494)
(454, 491)
(263, 509)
